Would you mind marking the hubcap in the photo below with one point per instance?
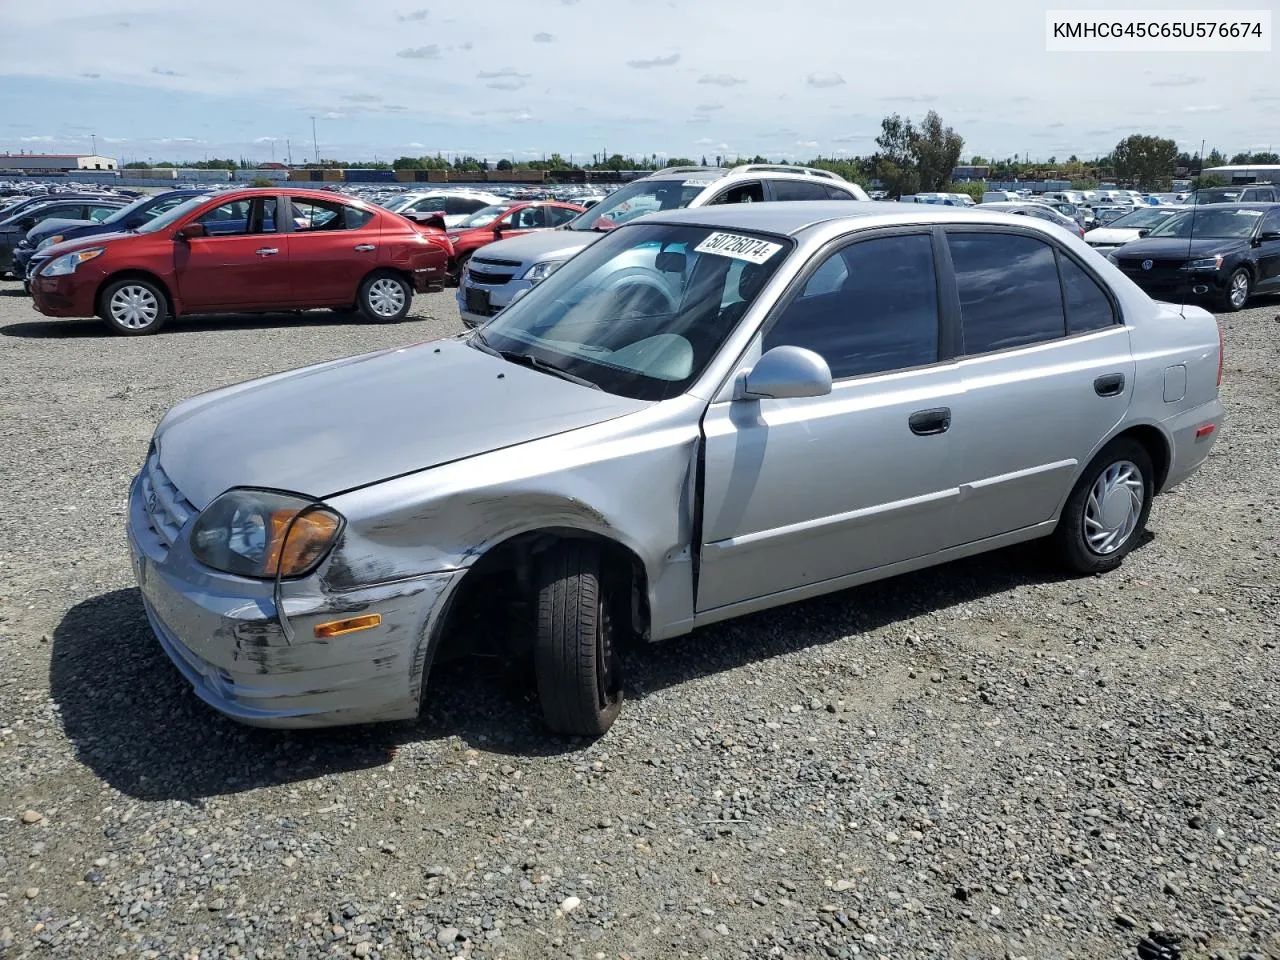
(1115, 504)
(134, 307)
(1239, 289)
(386, 297)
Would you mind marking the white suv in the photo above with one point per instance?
(501, 271)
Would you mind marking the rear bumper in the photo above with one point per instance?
(1189, 450)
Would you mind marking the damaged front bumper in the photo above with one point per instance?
(224, 634)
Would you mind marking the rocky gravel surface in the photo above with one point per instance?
(981, 760)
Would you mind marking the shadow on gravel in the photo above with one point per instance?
(135, 722)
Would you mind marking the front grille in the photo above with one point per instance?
(489, 279)
(495, 262)
(167, 509)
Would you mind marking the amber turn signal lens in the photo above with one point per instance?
(336, 628)
(308, 538)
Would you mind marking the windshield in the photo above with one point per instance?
(172, 215)
(642, 312)
(637, 199)
(125, 211)
(396, 204)
(1224, 224)
(1142, 218)
(485, 216)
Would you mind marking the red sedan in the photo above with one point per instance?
(504, 220)
(245, 251)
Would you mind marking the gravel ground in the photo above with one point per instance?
(982, 760)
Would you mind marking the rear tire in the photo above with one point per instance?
(384, 298)
(1239, 286)
(133, 307)
(1104, 517)
(460, 264)
(576, 643)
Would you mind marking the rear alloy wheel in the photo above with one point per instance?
(134, 307)
(1108, 508)
(1237, 293)
(385, 298)
(576, 650)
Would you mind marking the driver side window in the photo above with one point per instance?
(240, 217)
(742, 193)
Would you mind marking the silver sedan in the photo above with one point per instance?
(706, 413)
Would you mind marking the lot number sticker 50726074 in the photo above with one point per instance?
(739, 247)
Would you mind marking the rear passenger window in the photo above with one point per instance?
(869, 308)
(1087, 306)
(798, 190)
(1009, 293)
(835, 193)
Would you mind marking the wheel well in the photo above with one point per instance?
(134, 275)
(1157, 448)
(392, 271)
(505, 572)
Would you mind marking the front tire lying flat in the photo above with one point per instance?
(576, 642)
(1107, 511)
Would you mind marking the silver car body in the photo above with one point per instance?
(437, 453)
(500, 269)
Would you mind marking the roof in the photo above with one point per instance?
(792, 217)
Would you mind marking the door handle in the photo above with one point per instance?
(1109, 385)
(928, 423)
(364, 247)
(268, 251)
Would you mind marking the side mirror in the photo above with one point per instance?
(190, 232)
(1143, 231)
(786, 372)
(1268, 235)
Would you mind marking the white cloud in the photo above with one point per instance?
(721, 79)
(430, 52)
(823, 81)
(415, 15)
(543, 37)
(807, 144)
(703, 141)
(670, 60)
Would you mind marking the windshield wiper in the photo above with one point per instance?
(532, 362)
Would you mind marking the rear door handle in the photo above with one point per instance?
(1109, 385)
(928, 423)
(268, 251)
(364, 247)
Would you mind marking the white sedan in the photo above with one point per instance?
(1130, 227)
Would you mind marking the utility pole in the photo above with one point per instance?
(288, 152)
(95, 143)
(315, 143)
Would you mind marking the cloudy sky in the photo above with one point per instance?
(517, 78)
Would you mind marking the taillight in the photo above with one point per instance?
(1219, 354)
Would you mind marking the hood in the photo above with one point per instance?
(82, 241)
(47, 228)
(540, 245)
(348, 423)
(1172, 248)
(1115, 235)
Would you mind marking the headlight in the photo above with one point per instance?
(68, 262)
(49, 241)
(24, 243)
(1112, 257)
(540, 271)
(1208, 263)
(255, 533)
(454, 237)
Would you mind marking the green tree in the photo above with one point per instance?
(895, 164)
(1146, 161)
(1207, 180)
(936, 149)
(406, 163)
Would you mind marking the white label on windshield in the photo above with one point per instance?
(738, 247)
(1248, 213)
(695, 183)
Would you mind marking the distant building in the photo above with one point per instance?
(961, 174)
(1247, 173)
(53, 163)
